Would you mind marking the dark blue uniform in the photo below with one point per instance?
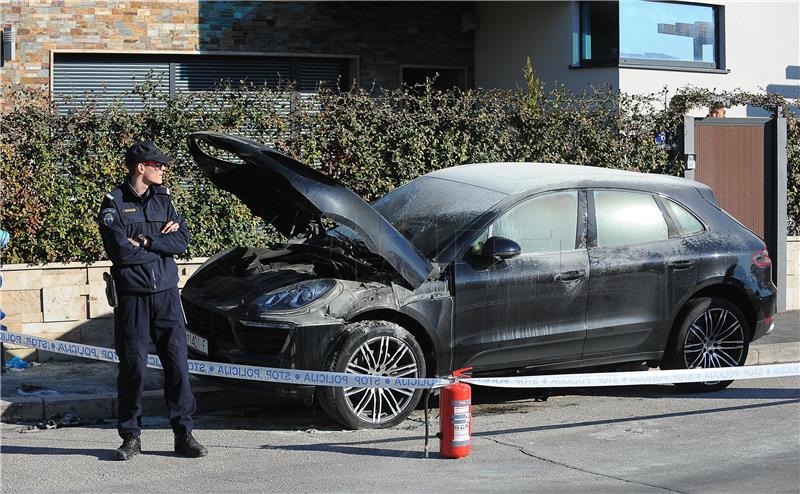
(149, 303)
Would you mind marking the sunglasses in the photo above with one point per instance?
(155, 165)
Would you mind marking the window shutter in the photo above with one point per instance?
(328, 72)
(104, 80)
(79, 77)
(203, 75)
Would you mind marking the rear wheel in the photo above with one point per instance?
(712, 333)
(379, 348)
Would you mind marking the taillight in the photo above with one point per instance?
(761, 258)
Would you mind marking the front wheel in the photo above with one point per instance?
(712, 333)
(379, 348)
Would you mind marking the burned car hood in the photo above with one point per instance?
(291, 196)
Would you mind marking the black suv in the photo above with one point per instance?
(503, 267)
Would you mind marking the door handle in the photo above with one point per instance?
(681, 264)
(569, 275)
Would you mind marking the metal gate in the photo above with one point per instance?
(744, 161)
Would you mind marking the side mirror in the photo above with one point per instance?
(500, 248)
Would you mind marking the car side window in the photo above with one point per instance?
(546, 223)
(687, 223)
(627, 218)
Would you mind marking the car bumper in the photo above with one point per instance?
(766, 303)
(764, 327)
(275, 344)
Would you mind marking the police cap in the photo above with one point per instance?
(145, 151)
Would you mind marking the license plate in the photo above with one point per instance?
(197, 342)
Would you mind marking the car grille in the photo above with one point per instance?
(208, 324)
(217, 329)
(261, 340)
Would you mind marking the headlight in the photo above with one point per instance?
(295, 296)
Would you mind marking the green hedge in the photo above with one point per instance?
(56, 167)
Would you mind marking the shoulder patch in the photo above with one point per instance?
(109, 216)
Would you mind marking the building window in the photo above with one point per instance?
(599, 33)
(640, 32)
(443, 78)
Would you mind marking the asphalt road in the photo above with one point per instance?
(633, 439)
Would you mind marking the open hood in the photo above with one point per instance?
(290, 196)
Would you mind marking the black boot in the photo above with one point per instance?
(131, 447)
(187, 445)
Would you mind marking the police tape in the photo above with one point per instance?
(340, 379)
(640, 377)
(233, 371)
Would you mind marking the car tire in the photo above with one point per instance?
(380, 348)
(712, 332)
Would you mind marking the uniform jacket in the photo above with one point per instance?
(124, 214)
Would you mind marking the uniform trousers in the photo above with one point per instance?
(138, 319)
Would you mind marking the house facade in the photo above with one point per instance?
(70, 46)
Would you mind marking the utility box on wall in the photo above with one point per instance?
(744, 161)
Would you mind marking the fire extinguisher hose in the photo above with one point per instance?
(427, 397)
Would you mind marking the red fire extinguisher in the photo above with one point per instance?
(455, 418)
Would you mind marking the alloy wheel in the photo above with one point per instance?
(715, 339)
(381, 356)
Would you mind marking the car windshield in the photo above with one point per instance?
(428, 211)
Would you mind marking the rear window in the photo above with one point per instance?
(688, 224)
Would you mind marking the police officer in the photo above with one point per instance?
(141, 232)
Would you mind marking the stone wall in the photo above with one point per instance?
(382, 35)
(62, 301)
(43, 26)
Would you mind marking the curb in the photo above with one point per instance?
(104, 405)
(211, 398)
(775, 353)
